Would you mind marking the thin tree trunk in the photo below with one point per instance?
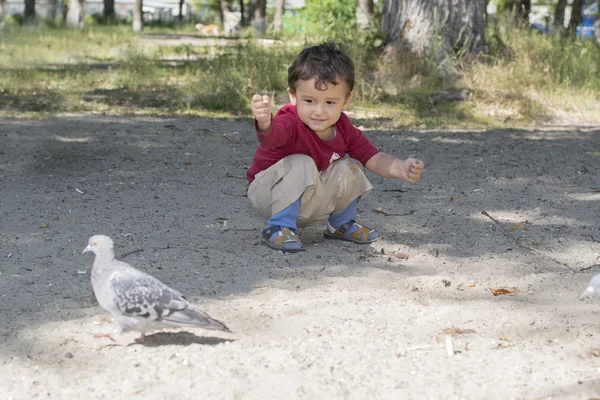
(364, 14)
(517, 11)
(51, 15)
(278, 18)
(576, 16)
(109, 11)
(65, 10)
(434, 27)
(75, 14)
(29, 12)
(180, 16)
(223, 9)
(597, 25)
(259, 13)
(243, 21)
(526, 7)
(138, 16)
(559, 17)
(2, 13)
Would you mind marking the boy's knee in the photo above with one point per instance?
(349, 168)
(301, 161)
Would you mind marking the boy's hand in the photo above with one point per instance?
(261, 110)
(413, 169)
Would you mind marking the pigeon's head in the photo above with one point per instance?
(99, 244)
(593, 288)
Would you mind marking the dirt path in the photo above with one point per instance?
(337, 322)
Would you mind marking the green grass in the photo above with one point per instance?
(526, 78)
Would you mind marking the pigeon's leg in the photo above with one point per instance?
(140, 340)
(103, 335)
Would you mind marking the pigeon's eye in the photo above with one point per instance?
(95, 244)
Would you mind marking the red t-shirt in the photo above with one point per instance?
(288, 135)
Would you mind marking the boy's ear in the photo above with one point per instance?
(292, 96)
(347, 102)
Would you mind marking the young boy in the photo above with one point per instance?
(309, 164)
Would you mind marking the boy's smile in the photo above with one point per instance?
(320, 109)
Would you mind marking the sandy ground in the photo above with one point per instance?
(340, 321)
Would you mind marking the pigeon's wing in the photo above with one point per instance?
(138, 295)
(143, 296)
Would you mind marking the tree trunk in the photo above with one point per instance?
(75, 14)
(138, 16)
(526, 6)
(51, 15)
(559, 17)
(2, 13)
(109, 11)
(364, 14)
(278, 18)
(243, 21)
(576, 16)
(258, 14)
(180, 16)
(597, 25)
(29, 12)
(434, 27)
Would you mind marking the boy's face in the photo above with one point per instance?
(320, 109)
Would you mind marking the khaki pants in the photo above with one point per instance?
(323, 193)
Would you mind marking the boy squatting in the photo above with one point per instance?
(309, 164)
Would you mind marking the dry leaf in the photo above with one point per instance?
(500, 291)
(380, 210)
(457, 331)
(44, 225)
(519, 226)
(400, 255)
(187, 163)
(415, 289)
(594, 353)
(451, 199)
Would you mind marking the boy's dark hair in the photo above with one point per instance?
(326, 62)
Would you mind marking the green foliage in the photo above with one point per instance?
(331, 17)
(15, 19)
(547, 62)
(228, 81)
(105, 69)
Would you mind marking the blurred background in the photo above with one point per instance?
(422, 63)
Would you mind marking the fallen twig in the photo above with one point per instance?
(383, 211)
(532, 250)
(590, 267)
(130, 253)
(235, 194)
(449, 346)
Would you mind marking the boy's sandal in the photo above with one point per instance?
(352, 231)
(282, 238)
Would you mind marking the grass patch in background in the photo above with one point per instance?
(527, 78)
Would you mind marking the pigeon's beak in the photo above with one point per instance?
(88, 248)
(587, 292)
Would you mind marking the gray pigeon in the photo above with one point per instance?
(138, 301)
(593, 288)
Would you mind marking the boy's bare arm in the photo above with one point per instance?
(388, 166)
(261, 110)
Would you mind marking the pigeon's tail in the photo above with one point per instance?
(196, 318)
